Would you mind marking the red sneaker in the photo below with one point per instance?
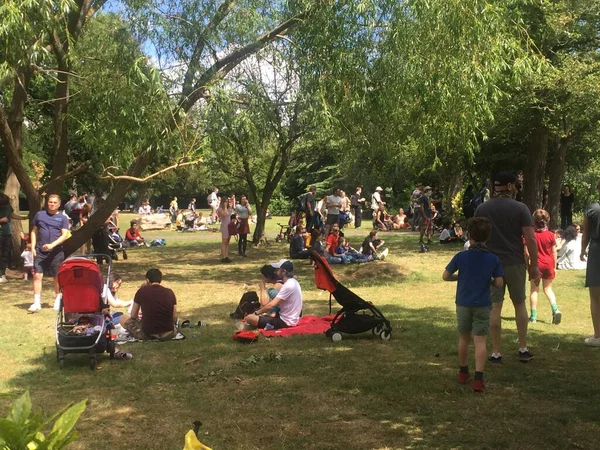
(478, 386)
(462, 378)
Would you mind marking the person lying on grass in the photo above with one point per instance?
(476, 268)
(288, 299)
(160, 310)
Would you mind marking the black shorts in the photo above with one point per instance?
(333, 219)
(275, 322)
(48, 263)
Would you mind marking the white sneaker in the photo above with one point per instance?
(3, 279)
(35, 307)
(384, 253)
(592, 341)
(57, 304)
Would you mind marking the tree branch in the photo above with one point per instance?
(65, 176)
(110, 176)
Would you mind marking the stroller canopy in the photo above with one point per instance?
(81, 284)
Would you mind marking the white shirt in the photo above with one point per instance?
(445, 234)
(213, 200)
(291, 302)
(375, 200)
(568, 256)
(333, 204)
(27, 258)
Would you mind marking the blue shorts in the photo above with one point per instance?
(48, 263)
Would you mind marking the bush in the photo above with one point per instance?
(22, 428)
(281, 206)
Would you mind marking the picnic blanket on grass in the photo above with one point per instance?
(306, 325)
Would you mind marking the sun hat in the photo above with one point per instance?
(427, 188)
(378, 188)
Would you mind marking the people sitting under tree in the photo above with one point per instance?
(400, 220)
(298, 248)
(288, 299)
(160, 310)
(133, 236)
(371, 246)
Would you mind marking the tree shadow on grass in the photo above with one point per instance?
(309, 392)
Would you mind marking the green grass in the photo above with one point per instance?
(308, 392)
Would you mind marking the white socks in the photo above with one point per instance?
(57, 301)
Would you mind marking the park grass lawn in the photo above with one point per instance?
(306, 392)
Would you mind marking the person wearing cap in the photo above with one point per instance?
(288, 299)
(511, 222)
(425, 214)
(376, 202)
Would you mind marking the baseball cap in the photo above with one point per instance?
(378, 188)
(283, 264)
(427, 188)
(503, 178)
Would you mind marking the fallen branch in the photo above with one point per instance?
(109, 176)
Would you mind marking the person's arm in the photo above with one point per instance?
(135, 311)
(531, 243)
(449, 276)
(268, 307)
(554, 255)
(33, 239)
(17, 217)
(498, 282)
(64, 235)
(585, 240)
(526, 253)
(175, 313)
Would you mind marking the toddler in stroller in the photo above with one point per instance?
(83, 322)
(108, 241)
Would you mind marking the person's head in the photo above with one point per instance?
(193, 200)
(72, 196)
(541, 218)
(115, 282)
(427, 191)
(358, 189)
(53, 202)
(342, 194)
(379, 189)
(569, 234)
(558, 233)
(420, 186)
(505, 182)
(335, 229)
(300, 229)
(336, 191)
(312, 189)
(401, 211)
(133, 224)
(4, 200)
(480, 229)
(154, 276)
(200, 215)
(283, 268)
(577, 227)
(436, 189)
(566, 189)
(343, 241)
(373, 234)
(175, 199)
(233, 218)
(433, 208)
(215, 190)
(243, 200)
(28, 247)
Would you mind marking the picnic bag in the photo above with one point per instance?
(247, 305)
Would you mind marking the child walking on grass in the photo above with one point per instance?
(476, 268)
(547, 259)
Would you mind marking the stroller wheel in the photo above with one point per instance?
(385, 335)
(336, 337)
(111, 349)
(61, 363)
(93, 363)
(124, 254)
(377, 330)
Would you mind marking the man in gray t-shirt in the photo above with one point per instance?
(511, 222)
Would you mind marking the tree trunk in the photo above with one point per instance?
(261, 211)
(556, 176)
(61, 130)
(533, 179)
(12, 189)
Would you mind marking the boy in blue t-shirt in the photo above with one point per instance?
(476, 267)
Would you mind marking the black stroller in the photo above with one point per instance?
(356, 315)
(116, 243)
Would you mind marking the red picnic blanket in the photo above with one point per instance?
(306, 325)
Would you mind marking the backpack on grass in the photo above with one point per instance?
(247, 305)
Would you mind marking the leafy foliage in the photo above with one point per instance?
(24, 429)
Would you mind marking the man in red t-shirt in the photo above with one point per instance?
(160, 310)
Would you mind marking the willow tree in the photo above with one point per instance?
(194, 45)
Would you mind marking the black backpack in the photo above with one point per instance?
(301, 207)
(479, 197)
(248, 304)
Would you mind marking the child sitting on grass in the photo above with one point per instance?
(476, 268)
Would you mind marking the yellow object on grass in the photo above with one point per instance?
(192, 442)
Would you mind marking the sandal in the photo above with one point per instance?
(125, 356)
(188, 324)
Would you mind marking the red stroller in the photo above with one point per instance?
(356, 315)
(83, 323)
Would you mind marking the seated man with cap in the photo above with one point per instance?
(288, 299)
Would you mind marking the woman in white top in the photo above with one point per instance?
(568, 255)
